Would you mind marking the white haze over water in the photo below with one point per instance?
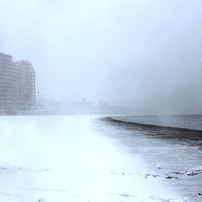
(144, 55)
(71, 160)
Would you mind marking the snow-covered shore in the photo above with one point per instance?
(66, 158)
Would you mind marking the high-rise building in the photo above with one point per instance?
(27, 80)
(5, 77)
(17, 84)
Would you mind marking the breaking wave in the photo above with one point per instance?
(158, 130)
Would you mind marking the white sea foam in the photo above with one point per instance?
(65, 158)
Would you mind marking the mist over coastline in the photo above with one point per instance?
(100, 100)
(152, 89)
(144, 56)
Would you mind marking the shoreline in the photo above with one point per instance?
(71, 159)
(173, 157)
(157, 131)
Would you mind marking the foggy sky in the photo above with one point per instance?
(140, 54)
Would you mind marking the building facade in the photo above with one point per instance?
(17, 84)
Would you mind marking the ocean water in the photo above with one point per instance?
(172, 152)
(89, 158)
(193, 122)
(71, 158)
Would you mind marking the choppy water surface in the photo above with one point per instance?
(85, 158)
(174, 157)
(71, 158)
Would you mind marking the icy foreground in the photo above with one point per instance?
(66, 158)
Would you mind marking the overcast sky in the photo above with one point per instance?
(144, 54)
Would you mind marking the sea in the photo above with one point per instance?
(100, 158)
(171, 147)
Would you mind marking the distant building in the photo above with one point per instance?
(17, 84)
